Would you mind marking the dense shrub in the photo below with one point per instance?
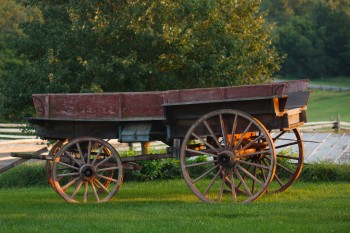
(33, 174)
(325, 172)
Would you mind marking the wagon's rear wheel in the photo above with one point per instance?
(54, 150)
(228, 149)
(87, 169)
(290, 157)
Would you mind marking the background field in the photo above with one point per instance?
(326, 105)
(169, 206)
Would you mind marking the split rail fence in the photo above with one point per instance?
(15, 131)
(325, 125)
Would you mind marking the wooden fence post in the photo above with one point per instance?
(338, 123)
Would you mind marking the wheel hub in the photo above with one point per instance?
(227, 159)
(87, 172)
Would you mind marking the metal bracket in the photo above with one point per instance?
(176, 148)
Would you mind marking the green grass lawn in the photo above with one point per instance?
(169, 206)
(324, 105)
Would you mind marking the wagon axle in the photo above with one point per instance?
(87, 172)
(227, 159)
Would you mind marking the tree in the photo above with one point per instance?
(11, 15)
(137, 45)
(314, 35)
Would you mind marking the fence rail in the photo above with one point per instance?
(323, 125)
(15, 131)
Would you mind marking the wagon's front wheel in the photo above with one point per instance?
(228, 149)
(87, 169)
(54, 150)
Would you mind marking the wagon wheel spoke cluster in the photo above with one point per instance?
(87, 169)
(290, 157)
(228, 154)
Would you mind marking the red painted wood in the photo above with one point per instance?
(148, 104)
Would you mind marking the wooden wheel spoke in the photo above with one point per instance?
(107, 178)
(249, 144)
(212, 182)
(80, 153)
(222, 186)
(263, 171)
(279, 135)
(243, 182)
(67, 165)
(286, 145)
(280, 165)
(249, 174)
(255, 153)
(103, 161)
(86, 191)
(95, 191)
(68, 174)
(212, 134)
(242, 136)
(278, 180)
(64, 169)
(285, 169)
(204, 174)
(253, 164)
(233, 187)
(97, 155)
(89, 153)
(239, 184)
(200, 152)
(76, 190)
(204, 142)
(223, 130)
(287, 157)
(233, 132)
(199, 164)
(253, 185)
(72, 181)
(108, 169)
(102, 186)
(72, 157)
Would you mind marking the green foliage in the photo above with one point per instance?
(11, 15)
(326, 172)
(31, 174)
(314, 35)
(80, 46)
(155, 169)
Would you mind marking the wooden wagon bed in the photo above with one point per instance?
(108, 115)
